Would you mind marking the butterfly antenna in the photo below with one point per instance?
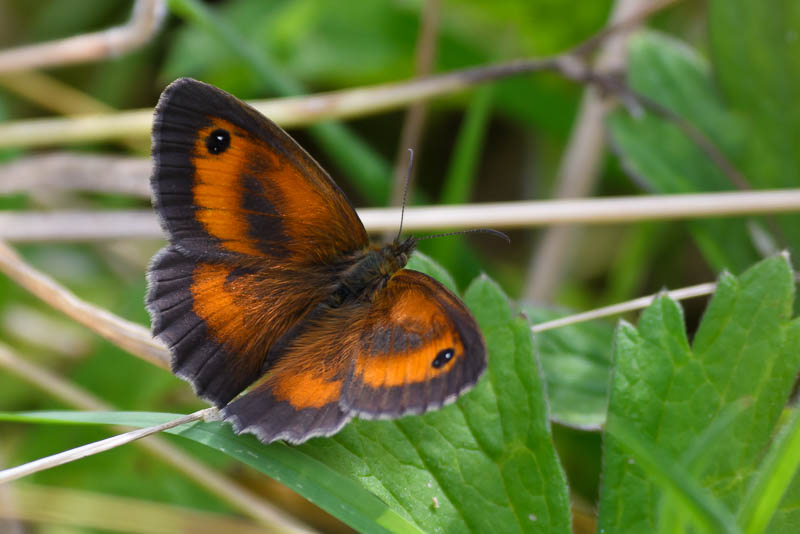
(405, 191)
(491, 231)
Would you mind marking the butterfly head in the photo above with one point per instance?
(394, 256)
(401, 250)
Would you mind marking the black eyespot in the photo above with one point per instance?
(218, 141)
(443, 358)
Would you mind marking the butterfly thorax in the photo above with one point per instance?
(372, 268)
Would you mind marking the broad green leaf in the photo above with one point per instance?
(697, 502)
(663, 159)
(340, 495)
(485, 463)
(575, 362)
(423, 263)
(746, 350)
(756, 51)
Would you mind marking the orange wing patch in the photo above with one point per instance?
(406, 366)
(219, 190)
(228, 182)
(419, 348)
(222, 306)
(299, 396)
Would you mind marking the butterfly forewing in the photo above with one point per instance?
(256, 228)
(229, 182)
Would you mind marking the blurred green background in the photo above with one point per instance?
(502, 142)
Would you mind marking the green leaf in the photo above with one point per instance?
(756, 52)
(693, 462)
(576, 360)
(670, 476)
(423, 263)
(746, 350)
(663, 159)
(485, 463)
(340, 495)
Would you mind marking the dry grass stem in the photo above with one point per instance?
(144, 23)
(68, 171)
(300, 111)
(31, 226)
(61, 458)
(582, 157)
(238, 497)
(288, 112)
(699, 290)
(415, 115)
(622, 24)
(52, 94)
(105, 225)
(55, 95)
(63, 506)
(132, 337)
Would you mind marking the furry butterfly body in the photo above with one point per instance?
(271, 299)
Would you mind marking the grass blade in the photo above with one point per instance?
(772, 479)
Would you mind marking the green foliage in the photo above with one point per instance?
(693, 421)
(668, 392)
(575, 363)
(664, 159)
(484, 463)
(756, 53)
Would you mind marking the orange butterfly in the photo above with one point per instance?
(270, 284)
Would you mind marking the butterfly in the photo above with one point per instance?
(269, 295)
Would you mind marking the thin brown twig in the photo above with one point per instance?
(625, 93)
(291, 111)
(146, 18)
(73, 395)
(128, 335)
(631, 21)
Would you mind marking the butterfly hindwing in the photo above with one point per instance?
(299, 397)
(414, 348)
(419, 348)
